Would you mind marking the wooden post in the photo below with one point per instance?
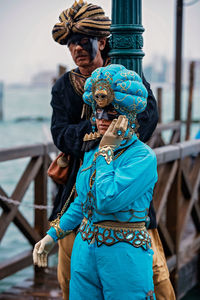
(159, 99)
(61, 70)
(189, 111)
(41, 198)
(41, 223)
(178, 59)
(172, 220)
(1, 101)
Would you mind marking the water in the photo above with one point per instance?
(26, 112)
(168, 107)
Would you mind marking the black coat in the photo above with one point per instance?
(68, 130)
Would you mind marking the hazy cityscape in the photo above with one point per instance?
(161, 73)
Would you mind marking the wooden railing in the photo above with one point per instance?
(176, 200)
(174, 129)
(177, 204)
(35, 171)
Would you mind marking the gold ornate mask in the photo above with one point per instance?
(102, 93)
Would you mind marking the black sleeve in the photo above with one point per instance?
(67, 128)
(148, 119)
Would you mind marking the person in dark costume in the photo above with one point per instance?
(84, 28)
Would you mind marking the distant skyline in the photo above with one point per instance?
(27, 46)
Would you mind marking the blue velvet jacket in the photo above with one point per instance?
(122, 190)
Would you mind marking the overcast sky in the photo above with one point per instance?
(27, 47)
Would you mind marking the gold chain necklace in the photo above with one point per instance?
(92, 178)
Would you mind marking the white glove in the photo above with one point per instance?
(41, 251)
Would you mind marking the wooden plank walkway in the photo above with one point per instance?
(46, 288)
(43, 287)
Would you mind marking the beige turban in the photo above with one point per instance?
(87, 19)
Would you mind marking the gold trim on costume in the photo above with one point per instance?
(56, 223)
(115, 157)
(106, 152)
(118, 225)
(59, 232)
(78, 81)
(110, 233)
(91, 136)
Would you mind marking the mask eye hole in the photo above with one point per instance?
(112, 112)
(84, 41)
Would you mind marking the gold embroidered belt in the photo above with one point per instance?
(111, 232)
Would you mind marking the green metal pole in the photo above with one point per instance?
(126, 34)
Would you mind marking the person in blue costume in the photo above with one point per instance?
(112, 256)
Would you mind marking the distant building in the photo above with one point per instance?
(157, 72)
(43, 79)
(162, 71)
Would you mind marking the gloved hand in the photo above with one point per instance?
(41, 251)
(115, 132)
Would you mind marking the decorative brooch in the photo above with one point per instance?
(106, 152)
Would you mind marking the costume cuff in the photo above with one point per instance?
(52, 233)
(56, 231)
(106, 152)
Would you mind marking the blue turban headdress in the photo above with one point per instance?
(116, 85)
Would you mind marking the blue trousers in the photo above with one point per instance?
(117, 272)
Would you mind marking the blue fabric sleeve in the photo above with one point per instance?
(116, 188)
(70, 219)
